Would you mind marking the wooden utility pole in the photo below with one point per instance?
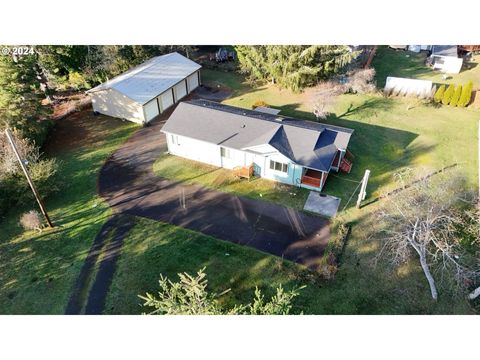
(478, 161)
(363, 188)
(30, 182)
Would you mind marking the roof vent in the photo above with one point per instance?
(243, 125)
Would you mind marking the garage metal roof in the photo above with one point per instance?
(304, 142)
(148, 80)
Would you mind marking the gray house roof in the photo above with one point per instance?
(148, 80)
(306, 143)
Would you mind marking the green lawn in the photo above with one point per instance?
(193, 172)
(391, 134)
(153, 248)
(389, 62)
(37, 271)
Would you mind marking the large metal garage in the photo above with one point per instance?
(144, 92)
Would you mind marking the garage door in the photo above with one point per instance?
(166, 99)
(151, 110)
(180, 90)
(192, 82)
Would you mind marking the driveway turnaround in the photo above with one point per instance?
(129, 185)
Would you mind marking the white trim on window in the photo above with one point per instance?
(174, 139)
(225, 153)
(278, 166)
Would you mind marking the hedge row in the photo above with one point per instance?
(454, 95)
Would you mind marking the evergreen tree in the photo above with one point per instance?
(294, 66)
(456, 96)
(466, 95)
(21, 96)
(439, 94)
(447, 96)
(189, 296)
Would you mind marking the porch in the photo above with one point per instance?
(313, 178)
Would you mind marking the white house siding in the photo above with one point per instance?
(211, 154)
(111, 102)
(194, 149)
(447, 64)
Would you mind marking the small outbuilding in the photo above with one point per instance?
(445, 58)
(144, 92)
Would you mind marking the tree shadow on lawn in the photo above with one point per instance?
(360, 286)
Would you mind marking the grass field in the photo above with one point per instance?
(38, 270)
(389, 62)
(193, 172)
(391, 134)
(154, 248)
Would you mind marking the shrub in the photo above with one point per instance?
(361, 81)
(31, 221)
(14, 188)
(259, 103)
(466, 95)
(447, 96)
(439, 94)
(456, 96)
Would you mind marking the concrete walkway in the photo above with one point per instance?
(128, 184)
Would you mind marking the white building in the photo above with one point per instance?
(144, 92)
(445, 58)
(291, 151)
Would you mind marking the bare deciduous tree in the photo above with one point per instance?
(322, 97)
(361, 81)
(425, 219)
(8, 160)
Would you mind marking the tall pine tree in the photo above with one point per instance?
(21, 96)
(293, 66)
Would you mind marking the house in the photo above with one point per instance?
(445, 58)
(291, 151)
(144, 92)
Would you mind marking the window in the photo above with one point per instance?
(278, 166)
(225, 153)
(174, 139)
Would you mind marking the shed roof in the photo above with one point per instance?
(151, 78)
(445, 50)
(304, 142)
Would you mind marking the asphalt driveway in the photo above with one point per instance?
(129, 185)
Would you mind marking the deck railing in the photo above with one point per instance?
(243, 171)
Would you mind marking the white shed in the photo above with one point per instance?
(144, 92)
(445, 58)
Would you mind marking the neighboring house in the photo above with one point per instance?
(445, 58)
(291, 151)
(418, 48)
(144, 92)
